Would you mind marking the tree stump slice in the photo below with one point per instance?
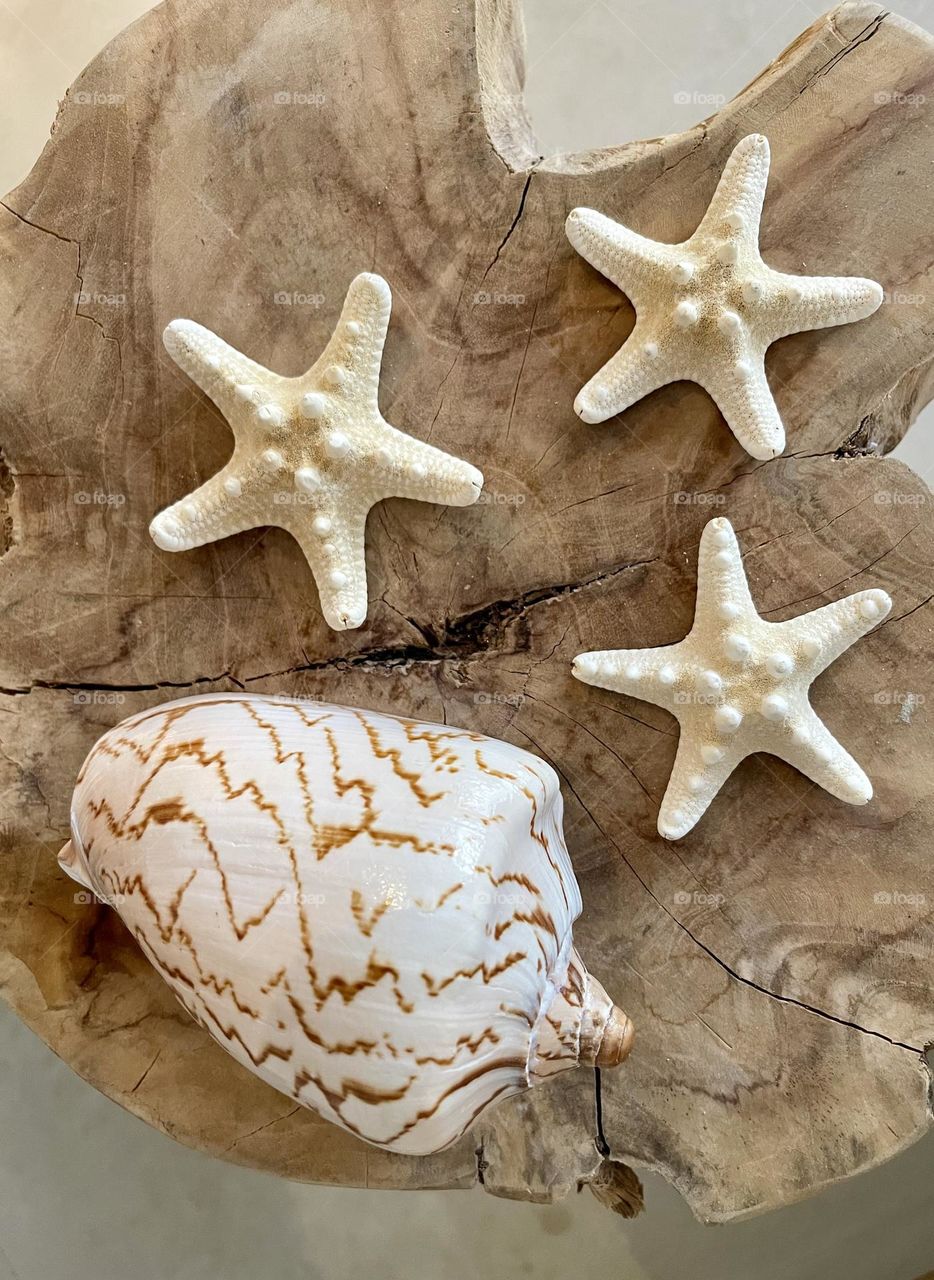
(239, 164)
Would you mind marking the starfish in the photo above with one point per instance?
(707, 309)
(312, 454)
(738, 684)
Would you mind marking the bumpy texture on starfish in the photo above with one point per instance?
(738, 684)
(707, 309)
(312, 454)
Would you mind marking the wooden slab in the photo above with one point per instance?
(238, 164)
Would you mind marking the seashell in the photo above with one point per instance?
(370, 913)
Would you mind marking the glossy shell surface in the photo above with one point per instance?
(372, 914)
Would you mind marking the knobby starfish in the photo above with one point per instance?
(312, 454)
(708, 309)
(738, 684)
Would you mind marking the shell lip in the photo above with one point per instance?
(72, 858)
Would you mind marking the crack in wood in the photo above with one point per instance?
(747, 982)
(471, 636)
(854, 42)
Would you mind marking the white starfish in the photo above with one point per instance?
(738, 684)
(707, 309)
(312, 454)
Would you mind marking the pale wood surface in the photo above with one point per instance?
(782, 1003)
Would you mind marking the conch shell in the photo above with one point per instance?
(370, 913)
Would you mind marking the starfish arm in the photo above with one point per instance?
(334, 546)
(222, 506)
(742, 394)
(637, 369)
(350, 364)
(723, 594)
(814, 751)
(793, 304)
(817, 639)
(222, 372)
(623, 256)
(651, 675)
(736, 206)
(404, 467)
(695, 780)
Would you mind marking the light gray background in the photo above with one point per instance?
(89, 1193)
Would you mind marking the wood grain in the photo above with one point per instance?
(240, 172)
